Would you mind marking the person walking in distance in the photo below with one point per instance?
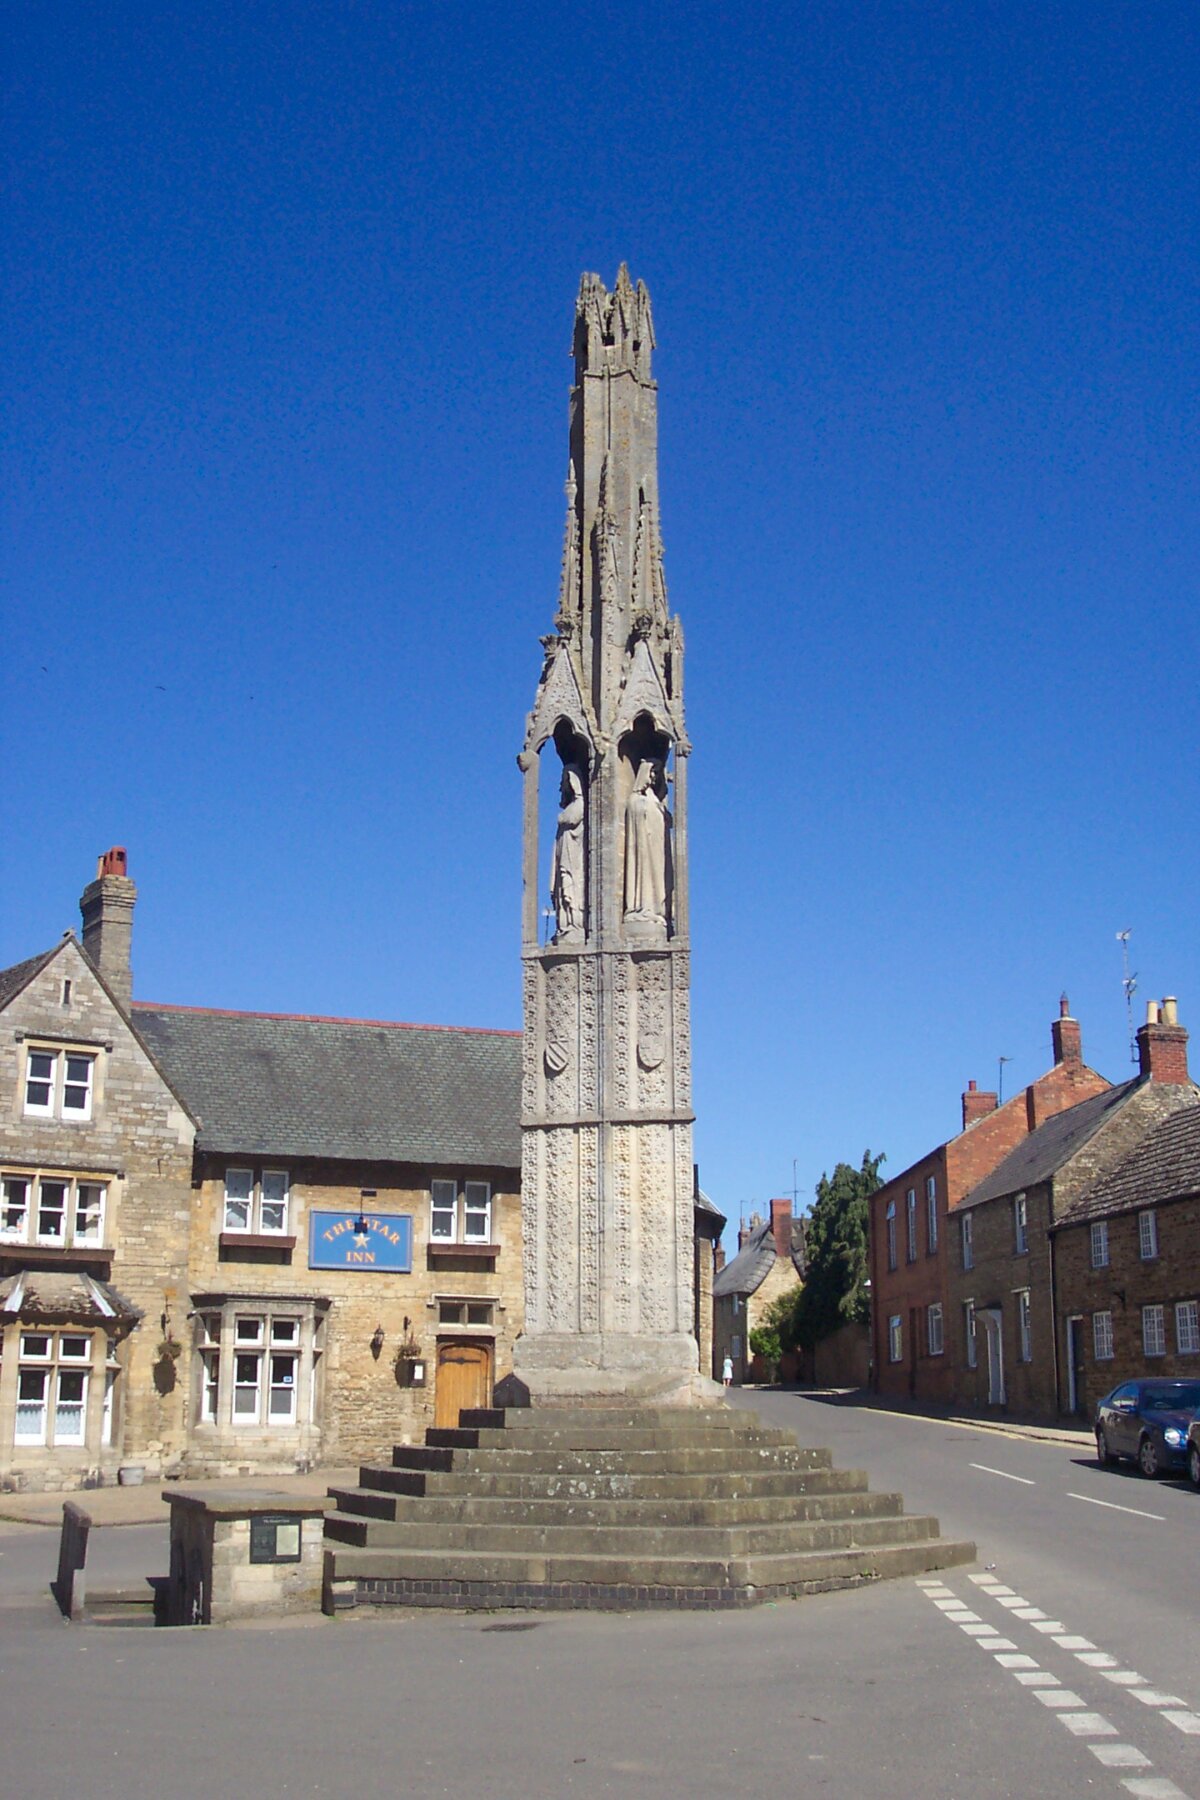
(727, 1370)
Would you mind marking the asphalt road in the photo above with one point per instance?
(891, 1691)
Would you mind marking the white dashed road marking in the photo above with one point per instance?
(1003, 1473)
(1134, 1511)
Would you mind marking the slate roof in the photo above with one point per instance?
(12, 980)
(704, 1204)
(755, 1260)
(1164, 1166)
(1038, 1156)
(63, 1294)
(268, 1084)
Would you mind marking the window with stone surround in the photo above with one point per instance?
(59, 1083)
(53, 1210)
(931, 1214)
(1187, 1327)
(968, 1241)
(460, 1215)
(1154, 1331)
(466, 1312)
(933, 1329)
(1020, 1225)
(1102, 1336)
(249, 1362)
(1100, 1244)
(52, 1388)
(891, 1234)
(257, 1201)
(895, 1339)
(1148, 1234)
(1024, 1326)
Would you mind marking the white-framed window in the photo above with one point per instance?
(1187, 1327)
(968, 1241)
(931, 1213)
(208, 1340)
(465, 1312)
(59, 1084)
(264, 1364)
(895, 1339)
(933, 1329)
(1154, 1331)
(256, 1201)
(891, 1234)
(1100, 1244)
(1020, 1225)
(1102, 1336)
(1024, 1326)
(910, 1225)
(54, 1210)
(460, 1215)
(969, 1341)
(52, 1388)
(1148, 1234)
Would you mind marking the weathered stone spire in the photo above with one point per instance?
(606, 1103)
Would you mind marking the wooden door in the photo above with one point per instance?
(464, 1378)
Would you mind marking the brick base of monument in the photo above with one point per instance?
(615, 1509)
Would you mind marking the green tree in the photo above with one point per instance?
(835, 1288)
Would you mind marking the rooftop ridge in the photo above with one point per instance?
(229, 1012)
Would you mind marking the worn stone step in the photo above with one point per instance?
(560, 1418)
(615, 1483)
(745, 1508)
(665, 1457)
(699, 1542)
(521, 1580)
(553, 1440)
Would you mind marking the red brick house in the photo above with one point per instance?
(909, 1218)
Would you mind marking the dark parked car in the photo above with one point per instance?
(1193, 1451)
(1148, 1422)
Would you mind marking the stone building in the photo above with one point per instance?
(770, 1261)
(911, 1215)
(1126, 1251)
(240, 1241)
(1008, 1341)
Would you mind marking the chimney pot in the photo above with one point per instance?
(1170, 1010)
(1162, 1044)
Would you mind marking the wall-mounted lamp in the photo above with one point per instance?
(377, 1342)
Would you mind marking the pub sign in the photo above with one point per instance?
(337, 1240)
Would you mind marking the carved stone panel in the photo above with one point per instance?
(560, 1055)
(619, 1273)
(653, 1031)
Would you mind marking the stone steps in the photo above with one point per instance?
(615, 1507)
(700, 1542)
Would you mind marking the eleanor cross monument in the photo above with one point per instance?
(606, 1175)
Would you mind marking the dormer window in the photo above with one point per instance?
(460, 1216)
(59, 1084)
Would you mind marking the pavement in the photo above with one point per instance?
(145, 1505)
(1076, 1437)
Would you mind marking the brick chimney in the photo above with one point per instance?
(107, 908)
(781, 1226)
(1162, 1043)
(976, 1105)
(1066, 1036)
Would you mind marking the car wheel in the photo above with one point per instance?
(1104, 1455)
(1194, 1464)
(1149, 1460)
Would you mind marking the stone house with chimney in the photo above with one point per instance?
(1127, 1252)
(770, 1260)
(234, 1242)
(911, 1217)
(1016, 1339)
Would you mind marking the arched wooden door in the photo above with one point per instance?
(464, 1378)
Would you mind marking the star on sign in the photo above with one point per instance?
(362, 1239)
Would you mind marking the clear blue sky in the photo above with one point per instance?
(288, 317)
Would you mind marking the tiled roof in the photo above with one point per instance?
(262, 1084)
(755, 1260)
(1164, 1166)
(63, 1294)
(1045, 1150)
(20, 975)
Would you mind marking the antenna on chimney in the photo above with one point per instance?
(1000, 1083)
(1130, 986)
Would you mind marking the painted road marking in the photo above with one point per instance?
(1124, 1677)
(1070, 1640)
(1016, 1662)
(1039, 1678)
(995, 1643)
(1047, 1626)
(1120, 1756)
(1088, 1724)
(1154, 1787)
(1003, 1474)
(950, 1605)
(1058, 1697)
(1096, 1659)
(1151, 1697)
(1030, 1612)
(976, 1630)
(1134, 1511)
(1188, 1722)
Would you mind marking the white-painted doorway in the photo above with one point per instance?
(994, 1339)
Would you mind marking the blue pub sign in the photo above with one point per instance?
(336, 1240)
